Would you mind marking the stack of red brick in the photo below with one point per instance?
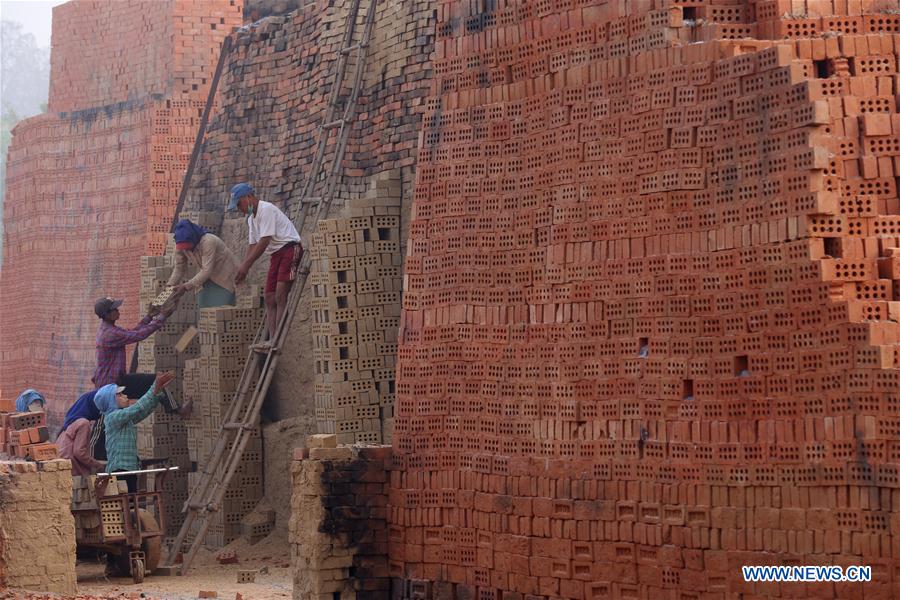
(25, 435)
(92, 189)
(650, 327)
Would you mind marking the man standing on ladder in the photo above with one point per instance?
(271, 233)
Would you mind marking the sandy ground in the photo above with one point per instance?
(206, 574)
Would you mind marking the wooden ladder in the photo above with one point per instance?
(242, 417)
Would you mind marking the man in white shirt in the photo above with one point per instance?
(271, 233)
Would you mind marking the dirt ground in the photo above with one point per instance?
(271, 554)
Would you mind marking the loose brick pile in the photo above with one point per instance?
(92, 186)
(338, 527)
(356, 283)
(37, 530)
(25, 435)
(650, 327)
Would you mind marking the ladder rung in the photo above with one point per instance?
(333, 124)
(230, 426)
(263, 348)
(311, 200)
(350, 49)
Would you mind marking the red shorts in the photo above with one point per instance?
(283, 266)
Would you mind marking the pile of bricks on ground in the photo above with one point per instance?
(338, 527)
(211, 381)
(650, 327)
(25, 435)
(96, 180)
(37, 531)
(356, 308)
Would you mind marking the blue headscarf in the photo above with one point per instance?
(186, 231)
(84, 408)
(26, 398)
(105, 398)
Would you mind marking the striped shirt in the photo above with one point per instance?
(111, 342)
(121, 433)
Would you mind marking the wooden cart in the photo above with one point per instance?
(131, 525)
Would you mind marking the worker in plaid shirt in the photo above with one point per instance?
(112, 340)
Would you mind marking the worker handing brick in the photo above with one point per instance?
(271, 233)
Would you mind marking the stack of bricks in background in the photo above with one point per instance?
(164, 435)
(308, 40)
(37, 543)
(109, 52)
(338, 528)
(650, 327)
(356, 283)
(97, 179)
(210, 381)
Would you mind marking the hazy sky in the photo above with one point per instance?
(35, 16)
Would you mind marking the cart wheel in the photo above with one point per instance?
(151, 546)
(137, 570)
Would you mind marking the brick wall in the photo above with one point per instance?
(109, 52)
(37, 530)
(650, 322)
(92, 189)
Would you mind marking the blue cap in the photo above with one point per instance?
(238, 192)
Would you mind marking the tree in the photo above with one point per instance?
(24, 85)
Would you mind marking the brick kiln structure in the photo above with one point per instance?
(650, 327)
(92, 185)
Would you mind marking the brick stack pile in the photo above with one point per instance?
(98, 183)
(91, 525)
(37, 543)
(650, 327)
(210, 381)
(338, 527)
(25, 435)
(164, 435)
(356, 308)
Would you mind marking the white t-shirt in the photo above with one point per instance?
(268, 221)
